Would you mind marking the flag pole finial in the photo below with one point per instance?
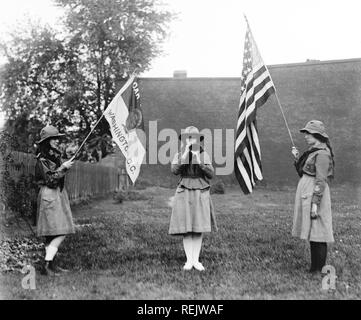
(245, 18)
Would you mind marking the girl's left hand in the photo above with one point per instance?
(196, 154)
(314, 214)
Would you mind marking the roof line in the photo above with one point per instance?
(314, 62)
(271, 66)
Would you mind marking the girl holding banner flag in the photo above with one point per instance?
(55, 219)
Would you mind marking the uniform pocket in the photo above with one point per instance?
(179, 196)
(306, 203)
(205, 190)
(306, 196)
(49, 203)
(205, 197)
(179, 190)
(49, 199)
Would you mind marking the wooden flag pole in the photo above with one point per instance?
(278, 100)
(86, 138)
(121, 91)
(284, 117)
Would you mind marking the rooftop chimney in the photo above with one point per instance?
(180, 74)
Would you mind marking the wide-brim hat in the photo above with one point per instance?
(191, 132)
(315, 126)
(49, 132)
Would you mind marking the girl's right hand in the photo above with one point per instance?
(68, 164)
(186, 151)
(295, 152)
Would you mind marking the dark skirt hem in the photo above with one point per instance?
(313, 239)
(182, 232)
(57, 232)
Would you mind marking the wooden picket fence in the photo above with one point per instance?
(83, 181)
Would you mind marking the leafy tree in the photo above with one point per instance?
(34, 81)
(68, 78)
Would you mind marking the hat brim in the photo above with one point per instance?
(54, 136)
(191, 135)
(314, 131)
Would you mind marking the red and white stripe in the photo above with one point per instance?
(257, 86)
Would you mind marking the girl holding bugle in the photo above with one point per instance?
(192, 212)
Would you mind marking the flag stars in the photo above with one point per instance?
(247, 57)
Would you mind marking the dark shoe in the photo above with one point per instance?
(57, 268)
(316, 275)
(314, 271)
(47, 270)
(54, 267)
(60, 269)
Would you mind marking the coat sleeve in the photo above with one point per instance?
(208, 170)
(299, 162)
(176, 164)
(322, 163)
(207, 167)
(45, 176)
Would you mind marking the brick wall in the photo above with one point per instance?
(328, 91)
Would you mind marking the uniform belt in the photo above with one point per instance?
(194, 177)
(308, 174)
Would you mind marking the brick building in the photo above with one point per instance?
(326, 90)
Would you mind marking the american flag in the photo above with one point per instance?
(256, 87)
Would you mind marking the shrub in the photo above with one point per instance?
(142, 184)
(129, 195)
(218, 188)
(17, 194)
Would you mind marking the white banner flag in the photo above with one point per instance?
(128, 141)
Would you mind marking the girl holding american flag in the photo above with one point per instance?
(312, 214)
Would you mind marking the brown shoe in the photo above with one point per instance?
(47, 270)
(53, 266)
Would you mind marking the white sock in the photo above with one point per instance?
(188, 247)
(197, 245)
(50, 252)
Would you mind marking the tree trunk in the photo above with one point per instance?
(99, 92)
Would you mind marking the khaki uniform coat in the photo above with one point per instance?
(192, 210)
(53, 207)
(313, 188)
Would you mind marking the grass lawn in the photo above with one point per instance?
(123, 251)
